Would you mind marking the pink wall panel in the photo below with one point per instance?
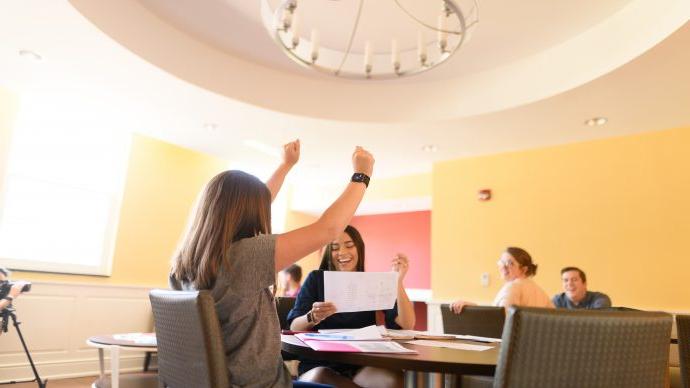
(387, 234)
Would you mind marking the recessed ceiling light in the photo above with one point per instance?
(30, 54)
(430, 148)
(210, 126)
(596, 121)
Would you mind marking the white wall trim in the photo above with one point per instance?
(57, 318)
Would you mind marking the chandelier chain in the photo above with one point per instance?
(352, 38)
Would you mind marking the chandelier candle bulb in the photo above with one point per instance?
(442, 34)
(286, 20)
(421, 47)
(295, 30)
(395, 55)
(314, 44)
(367, 56)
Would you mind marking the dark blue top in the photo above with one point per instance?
(592, 300)
(312, 291)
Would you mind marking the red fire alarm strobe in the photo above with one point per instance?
(484, 194)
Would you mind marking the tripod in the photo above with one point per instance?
(5, 314)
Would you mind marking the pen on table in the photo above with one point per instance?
(293, 332)
(484, 342)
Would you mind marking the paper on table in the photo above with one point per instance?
(451, 345)
(137, 338)
(409, 334)
(369, 333)
(360, 291)
(360, 346)
(478, 338)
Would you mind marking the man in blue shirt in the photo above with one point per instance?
(576, 295)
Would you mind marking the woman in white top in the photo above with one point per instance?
(516, 268)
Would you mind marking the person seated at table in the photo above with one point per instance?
(516, 269)
(575, 295)
(229, 250)
(291, 278)
(311, 312)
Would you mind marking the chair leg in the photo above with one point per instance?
(147, 361)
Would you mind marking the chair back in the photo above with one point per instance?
(584, 348)
(283, 305)
(483, 321)
(190, 348)
(683, 327)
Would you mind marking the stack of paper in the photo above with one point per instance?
(451, 345)
(137, 338)
(414, 334)
(367, 339)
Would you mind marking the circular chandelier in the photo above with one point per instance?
(377, 39)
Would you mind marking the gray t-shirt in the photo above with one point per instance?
(247, 313)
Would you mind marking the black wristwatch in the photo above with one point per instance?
(310, 317)
(360, 177)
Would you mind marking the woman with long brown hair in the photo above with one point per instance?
(229, 250)
(313, 312)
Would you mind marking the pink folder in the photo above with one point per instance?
(332, 346)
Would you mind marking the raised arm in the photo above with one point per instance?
(290, 158)
(298, 243)
(406, 316)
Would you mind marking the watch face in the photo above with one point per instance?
(358, 176)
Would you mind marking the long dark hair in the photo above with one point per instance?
(233, 205)
(523, 259)
(327, 259)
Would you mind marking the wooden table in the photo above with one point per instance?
(115, 345)
(448, 362)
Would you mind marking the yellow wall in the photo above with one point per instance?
(296, 220)
(619, 208)
(163, 181)
(409, 186)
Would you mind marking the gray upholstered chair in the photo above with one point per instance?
(190, 347)
(581, 348)
(483, 321)
(683, 327)
(283, 305)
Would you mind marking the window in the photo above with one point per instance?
(60, 195)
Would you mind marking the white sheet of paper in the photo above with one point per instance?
(478, 338)
(360, 291)
(291, 339)
(137, 338)
(450, 345)
(368, 333)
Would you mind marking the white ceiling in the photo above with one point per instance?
(166, 68)
(509, 31)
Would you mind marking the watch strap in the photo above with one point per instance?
(360, 177)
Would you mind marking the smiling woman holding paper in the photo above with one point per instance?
(312, 312)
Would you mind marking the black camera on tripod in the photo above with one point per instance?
(8, 313)
(6, 286)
